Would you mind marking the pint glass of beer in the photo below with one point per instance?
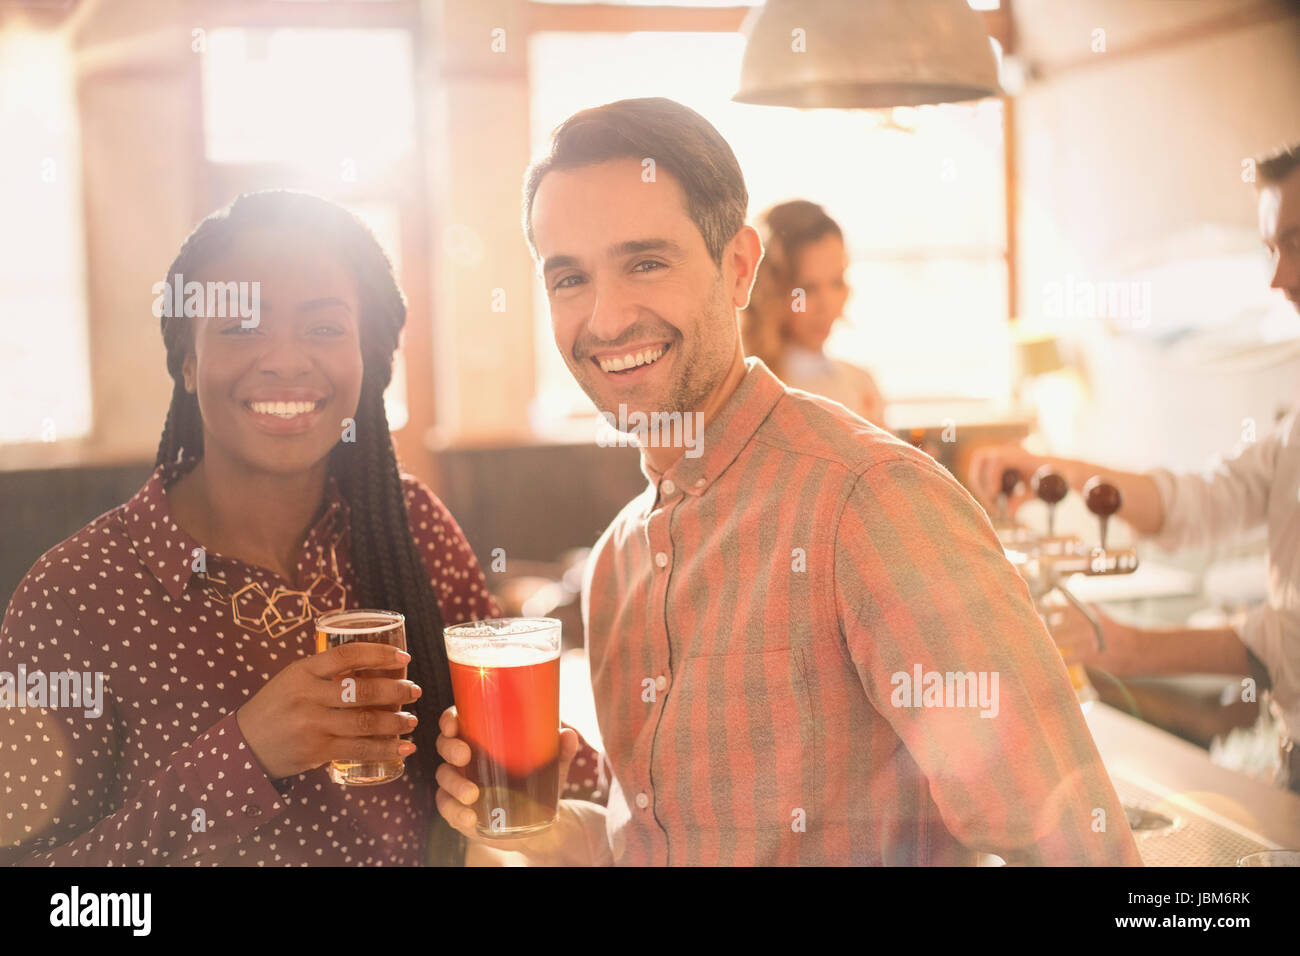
(376, 627)
(505, 675)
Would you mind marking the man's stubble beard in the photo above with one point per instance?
(707, 366)
(703, 370)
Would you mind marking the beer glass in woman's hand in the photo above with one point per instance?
(367, 627)
(302, 718)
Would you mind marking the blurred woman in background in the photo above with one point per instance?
(798, 294)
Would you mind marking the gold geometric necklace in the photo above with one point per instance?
(284, 609)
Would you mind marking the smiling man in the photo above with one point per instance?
(806, 645)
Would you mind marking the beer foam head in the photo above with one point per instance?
(504, 642)
(360, 621)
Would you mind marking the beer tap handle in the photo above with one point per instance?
(1051, 487)
(1011, 480)
(1103, 499)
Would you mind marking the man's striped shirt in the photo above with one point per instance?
(807, 647)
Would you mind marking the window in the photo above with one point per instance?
(314, 99)
(44, 360)
(918, 192)
(333, 111)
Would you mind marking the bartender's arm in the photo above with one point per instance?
(1174, 511)
(1148, 652)
(1177, 511)
(1141, 507)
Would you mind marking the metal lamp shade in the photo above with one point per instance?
(866, 54)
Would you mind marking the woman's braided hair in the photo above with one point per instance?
(389, 570)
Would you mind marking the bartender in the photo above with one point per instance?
(1258, 485)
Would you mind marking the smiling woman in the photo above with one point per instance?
(276, 497)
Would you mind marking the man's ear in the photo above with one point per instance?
(744, 253)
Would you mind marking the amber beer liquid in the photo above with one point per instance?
(375, 627)
(505, 675)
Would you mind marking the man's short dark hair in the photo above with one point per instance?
(676, 137)
(1277, 165)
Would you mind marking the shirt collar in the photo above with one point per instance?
(169, 552)
(726, 434)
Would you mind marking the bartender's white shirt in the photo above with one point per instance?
(1260, 483)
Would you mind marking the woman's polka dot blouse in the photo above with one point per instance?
(162, 774)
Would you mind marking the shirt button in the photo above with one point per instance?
(668, 489)
(661, 682)
(252, 810)
(661, 559)
(642, 801)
